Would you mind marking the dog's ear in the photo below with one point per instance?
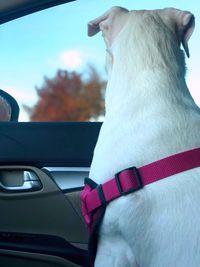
(93, 26)
(186, 24)
(106, 24)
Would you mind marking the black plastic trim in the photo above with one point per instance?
(138, 179)
(29, 7)
(90, 182)
(44, 144)
(13, 105)
(70, 190)
(101, 195)
(43, 244)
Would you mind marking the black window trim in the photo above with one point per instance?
(17, 11)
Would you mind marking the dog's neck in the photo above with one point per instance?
(148, 116)
(146, 119)
(144, 90)
(150, 113)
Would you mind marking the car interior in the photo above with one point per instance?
(42, 168)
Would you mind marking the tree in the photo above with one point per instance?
(69, 97)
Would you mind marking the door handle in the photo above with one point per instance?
(18, 181)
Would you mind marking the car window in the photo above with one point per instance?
(52, 68)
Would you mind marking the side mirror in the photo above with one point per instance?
(9, 109)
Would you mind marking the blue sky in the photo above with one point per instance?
(39, 44)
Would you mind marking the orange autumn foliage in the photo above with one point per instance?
(69, 97)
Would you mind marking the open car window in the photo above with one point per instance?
(56, 72)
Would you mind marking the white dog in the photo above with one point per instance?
(150, 115)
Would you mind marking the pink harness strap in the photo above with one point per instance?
(132, 179)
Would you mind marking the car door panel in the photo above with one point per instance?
(44, 224)
(42, 169)
(40, 221)
(68, 178)
(24, 259)
(48, 144)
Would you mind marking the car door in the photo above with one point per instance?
(42, 170)
(41, 176)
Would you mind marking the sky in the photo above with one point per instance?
(37, 45)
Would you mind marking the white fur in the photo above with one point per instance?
(150, 114)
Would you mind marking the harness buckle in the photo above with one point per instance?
(101, 195)
(138, 180)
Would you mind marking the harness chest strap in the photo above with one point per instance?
(132, 179)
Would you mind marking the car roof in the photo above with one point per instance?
(12, 9)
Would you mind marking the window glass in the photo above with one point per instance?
(44, 53)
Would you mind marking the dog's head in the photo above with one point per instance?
(168, 23)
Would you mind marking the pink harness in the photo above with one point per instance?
(95, 197)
